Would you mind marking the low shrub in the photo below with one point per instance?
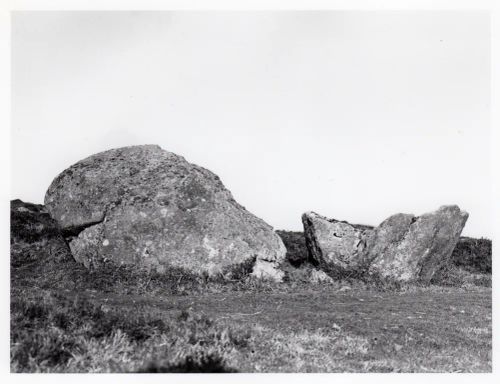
(30, 223)
(454, 276)
(473, 254)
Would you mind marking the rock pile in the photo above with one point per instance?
(402, 248)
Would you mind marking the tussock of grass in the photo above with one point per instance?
(310, 351)
(454, 276)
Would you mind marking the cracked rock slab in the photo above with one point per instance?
(147, 207)
(335, 245)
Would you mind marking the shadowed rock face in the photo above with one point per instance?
(402, 248)
(148, 207)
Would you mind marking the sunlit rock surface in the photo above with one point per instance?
(402, 248)
(150, 208)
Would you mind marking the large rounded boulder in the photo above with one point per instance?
(146, 207)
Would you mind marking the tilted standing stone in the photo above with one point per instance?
(414, 248)
(146, 207)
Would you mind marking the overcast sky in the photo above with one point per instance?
(354, 115)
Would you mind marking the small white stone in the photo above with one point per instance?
(105, 242)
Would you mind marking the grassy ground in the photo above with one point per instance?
(65, 318)
(321, 330)
(436, 329)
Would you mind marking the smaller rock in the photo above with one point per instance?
(335, 245)
(318, 276)
(267, 271)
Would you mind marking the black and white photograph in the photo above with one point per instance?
(250, 191)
